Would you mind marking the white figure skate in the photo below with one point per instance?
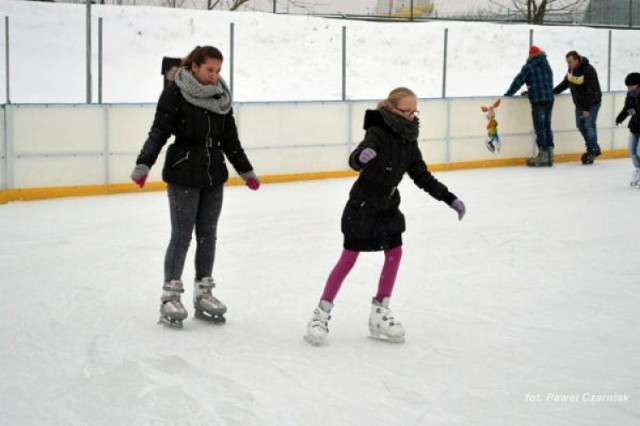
(318, 326)
(382, 325)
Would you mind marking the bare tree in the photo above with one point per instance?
(236, 4)
(535, 11)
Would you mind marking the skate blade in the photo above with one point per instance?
(312, 341)
(387, 339)
(171, 323)
(214, 319)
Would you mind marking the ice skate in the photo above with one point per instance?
(489, 145)
(318, 326)
(172, 312)
(207, 307)
(635, 178)
(382, 325)
(590, 155)
(498, 145)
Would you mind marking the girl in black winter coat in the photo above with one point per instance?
(632, 108)
(372, 220)
(196, 108)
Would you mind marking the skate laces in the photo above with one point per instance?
(386, 315)
(320, 318)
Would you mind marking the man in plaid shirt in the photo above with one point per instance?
(538, 77)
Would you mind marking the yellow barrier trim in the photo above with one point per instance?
(28, 194)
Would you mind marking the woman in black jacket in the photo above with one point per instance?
(197, 109)
(371, 220)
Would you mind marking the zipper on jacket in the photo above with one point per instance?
(182, 160)
(208, 146)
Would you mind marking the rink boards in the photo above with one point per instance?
(59, 150)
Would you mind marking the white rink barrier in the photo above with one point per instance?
(92, 148)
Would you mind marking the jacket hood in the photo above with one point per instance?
(373, 117)
(582, 69)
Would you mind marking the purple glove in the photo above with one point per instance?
(459, 207)
(367, 155)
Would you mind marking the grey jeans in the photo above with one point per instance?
(189, 208)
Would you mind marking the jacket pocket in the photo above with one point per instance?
(181, 160)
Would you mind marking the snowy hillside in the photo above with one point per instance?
(280, 57)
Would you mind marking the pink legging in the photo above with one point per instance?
(345, 264)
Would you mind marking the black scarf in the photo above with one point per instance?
(408, 130)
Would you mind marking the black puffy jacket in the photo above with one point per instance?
(203, 138)
(584, 85)
(372, 219)
(632, 108)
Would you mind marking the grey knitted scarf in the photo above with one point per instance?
(212, 97)
(408, 130)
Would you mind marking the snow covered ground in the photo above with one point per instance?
(284, 58)
(532, 298)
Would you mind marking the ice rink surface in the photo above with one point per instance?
(525, 313)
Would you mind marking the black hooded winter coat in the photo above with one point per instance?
(372, 220)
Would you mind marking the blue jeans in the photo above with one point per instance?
(541, 114)
(587, 126)
(634, 148)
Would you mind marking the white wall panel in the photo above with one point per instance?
(434, 152)
(433, 119)
(298, 160)
(262, 125)
(38, 172)
(3, 152)
(280, 138)
(128, 126)
(57, 129)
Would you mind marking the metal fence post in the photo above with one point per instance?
(444, 62)
(344, 63)
(6, 59)
(530, 37)
(232, 55)
(88, 51)
(99, 60)
(609, 63)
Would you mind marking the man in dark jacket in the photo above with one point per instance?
(582, 80)
(538, 77)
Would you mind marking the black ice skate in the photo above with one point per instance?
(590, 155)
